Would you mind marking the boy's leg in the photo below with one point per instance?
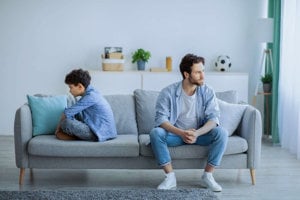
(78, 129)
(63, 136)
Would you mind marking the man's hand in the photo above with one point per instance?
(189, 136)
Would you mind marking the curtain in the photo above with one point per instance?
(274, 11)
(289, 78)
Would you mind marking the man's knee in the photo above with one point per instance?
(156, 133)
(221, 133)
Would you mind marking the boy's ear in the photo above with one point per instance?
(81, 86)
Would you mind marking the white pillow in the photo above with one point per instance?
(230, 115)
(229, 96)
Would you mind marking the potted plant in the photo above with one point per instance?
(267, 82)
(141, 56)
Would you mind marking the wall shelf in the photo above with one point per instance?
(125, 82)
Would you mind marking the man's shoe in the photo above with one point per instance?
(169, 183)
(208, 181)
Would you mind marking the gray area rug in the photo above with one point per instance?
(111, 194)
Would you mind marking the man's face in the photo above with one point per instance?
(196, 76)
(76, 90)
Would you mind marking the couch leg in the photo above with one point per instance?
(252, 173)
(22, 172)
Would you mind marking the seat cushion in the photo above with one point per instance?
(49, 145)
(235, 145)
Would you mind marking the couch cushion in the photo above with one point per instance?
(46, 112)
(123, 107)
(145, 109)
(49, 145)
(235, 145)
(230, 115)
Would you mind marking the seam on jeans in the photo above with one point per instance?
(162, 165)
(213, 165)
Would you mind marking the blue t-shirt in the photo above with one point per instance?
(96, 113)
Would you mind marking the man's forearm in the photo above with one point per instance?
(206, 128)
(171, 128)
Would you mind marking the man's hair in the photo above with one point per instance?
(187, 62)
(78, 76)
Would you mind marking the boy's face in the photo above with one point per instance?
(76, 90)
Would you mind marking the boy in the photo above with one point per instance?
(91, 117)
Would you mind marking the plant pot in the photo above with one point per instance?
(267, 87)
(141, 65)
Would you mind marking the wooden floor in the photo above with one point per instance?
(277, 178)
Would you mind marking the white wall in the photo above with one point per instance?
(42, 40)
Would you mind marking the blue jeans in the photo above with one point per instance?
(216, 139)
(78, 128)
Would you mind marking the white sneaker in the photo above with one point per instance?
(208, 181)
(169, 183)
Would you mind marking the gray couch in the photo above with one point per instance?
(134, 116)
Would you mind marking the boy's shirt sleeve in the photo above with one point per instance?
(83, 103)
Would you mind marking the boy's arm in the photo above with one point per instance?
(58, 125)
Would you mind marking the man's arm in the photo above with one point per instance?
(188, 136)
(208, 126)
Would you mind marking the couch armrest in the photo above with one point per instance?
(251, 130)
(22, 134)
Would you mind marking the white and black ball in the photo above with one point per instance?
(223, 63)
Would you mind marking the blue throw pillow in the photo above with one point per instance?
(46, 112)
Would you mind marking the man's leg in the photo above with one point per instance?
(160, 140)
(78, 129)
(217, 140)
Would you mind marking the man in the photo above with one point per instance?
(91, 117)
(187, 113)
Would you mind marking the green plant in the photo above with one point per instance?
(267, 78)
(141, 54)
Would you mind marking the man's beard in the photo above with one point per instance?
(196, 82)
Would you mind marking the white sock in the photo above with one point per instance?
(170, 174)
(207, 174)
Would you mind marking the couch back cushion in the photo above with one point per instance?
(145, 107)
(123, 107)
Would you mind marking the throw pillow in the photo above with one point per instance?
(229, 96)
(230, 115)
(46, 112)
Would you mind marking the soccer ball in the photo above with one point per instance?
(223, 63)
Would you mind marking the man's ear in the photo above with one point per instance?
(186, 75)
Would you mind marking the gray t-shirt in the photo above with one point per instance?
(187, 118)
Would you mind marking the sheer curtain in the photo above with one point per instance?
(289, 78)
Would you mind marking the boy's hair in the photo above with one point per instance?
(187, 62)
(78, 76)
